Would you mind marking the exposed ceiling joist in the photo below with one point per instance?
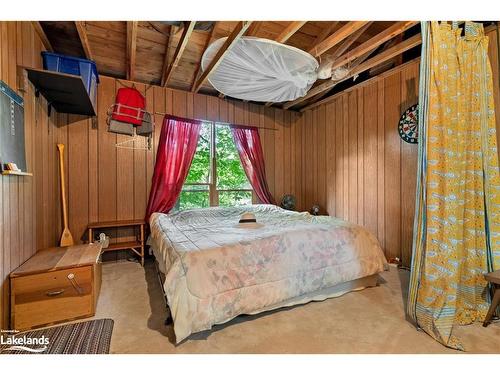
(326, 31)
(181, 46)
(131, 48)
(43, 37)
(291, 29)
(368, 64)
(336, 37)
(238, 31)
(349, 41)
(372, 43)
(82, 33)
(254, 28)
(207, 43)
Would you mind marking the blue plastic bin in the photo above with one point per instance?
(76, 66)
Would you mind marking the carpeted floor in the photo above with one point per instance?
(367, 321)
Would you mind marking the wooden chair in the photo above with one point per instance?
(494, 279)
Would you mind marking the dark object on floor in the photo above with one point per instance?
(494, 279)
(90, 337)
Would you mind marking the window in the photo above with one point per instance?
(216, 176)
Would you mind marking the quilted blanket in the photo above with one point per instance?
(217, 269)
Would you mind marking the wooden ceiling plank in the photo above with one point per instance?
(389, 33)
(377, 59)
(198, 68)
(84, 39)
(165, 57)
(181, 46)
(291, 29)
(336, 37)
(131, 48)
(43, 37)
(238, 31)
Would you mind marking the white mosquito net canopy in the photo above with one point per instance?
(261, 70)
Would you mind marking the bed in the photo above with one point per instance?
(216, 269)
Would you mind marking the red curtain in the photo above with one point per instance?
(176, 149)
(248, 144)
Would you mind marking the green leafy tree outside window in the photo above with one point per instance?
(231, 183)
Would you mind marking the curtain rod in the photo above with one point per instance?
(220, 122)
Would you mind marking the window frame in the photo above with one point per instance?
(211, 185)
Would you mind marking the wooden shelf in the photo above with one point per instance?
(65, 92)
(137, 246)
(16, 173)
(122, 246)
(116, 224)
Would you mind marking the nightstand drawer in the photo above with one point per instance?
(51, 297)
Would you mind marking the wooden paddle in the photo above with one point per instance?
(66, 237)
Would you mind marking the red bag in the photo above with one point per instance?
(129, 106)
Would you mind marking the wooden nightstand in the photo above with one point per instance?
(56, 285)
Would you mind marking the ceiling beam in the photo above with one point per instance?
(336, 37)
(368, 64)
(291, 29)
(238, 31)
(349, 41)
(254, 28)
(325, 32)
(82, 33)
(131, 48)
(43, 37)
(207, 43)
(181, 46)
(389, 33)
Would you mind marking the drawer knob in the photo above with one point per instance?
(54, 293)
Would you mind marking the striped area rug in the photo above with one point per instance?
(90, 337)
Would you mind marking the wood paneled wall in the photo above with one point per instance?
(344, 155)
(110, 183)
(357, 168)
(105, 182)
(19, 45)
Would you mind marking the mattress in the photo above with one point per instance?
(216, 269)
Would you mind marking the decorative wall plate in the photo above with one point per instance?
(408, 125)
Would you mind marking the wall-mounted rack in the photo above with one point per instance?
(66, 93)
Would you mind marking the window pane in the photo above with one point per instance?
(235, 198)
(200, 168)
(230, 173)
(193, 197)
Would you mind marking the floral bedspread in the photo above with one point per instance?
(217, 269)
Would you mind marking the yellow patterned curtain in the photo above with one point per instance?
(457, 224)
